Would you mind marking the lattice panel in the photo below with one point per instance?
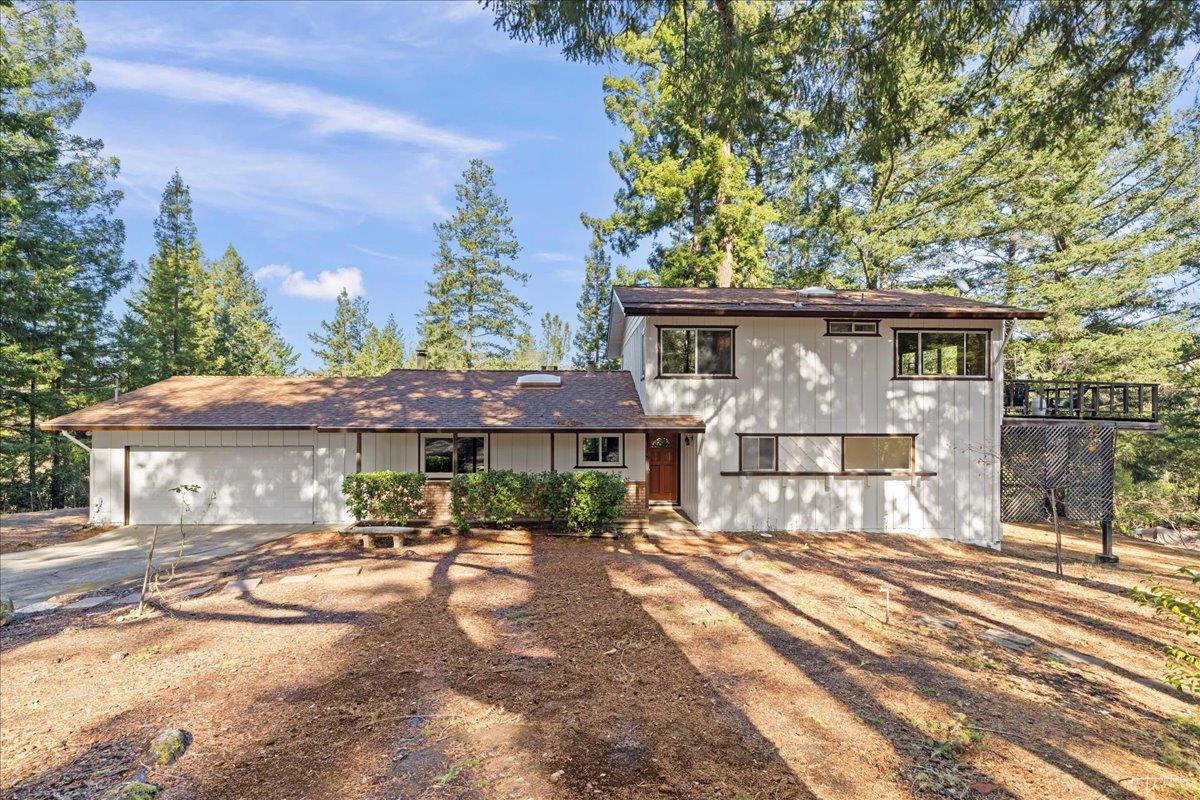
(1078, 460)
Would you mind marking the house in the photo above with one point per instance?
(748, 409)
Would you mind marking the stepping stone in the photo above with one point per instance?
(346, 571)
(89, 602)
(937, 622)
(243, 586)
(1007, 639)
(1069, 656)
(38, 608)
(296, 578)
(196, 591)
(128, 599)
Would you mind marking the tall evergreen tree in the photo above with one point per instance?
(383, 350)
(341, 339)
(60, 254)
(555, 340)
(473, 318)
(170, 328)
(247, 335)
(591, 332)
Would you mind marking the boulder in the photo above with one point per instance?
(132, 790)
(6, 611)
(168, 746)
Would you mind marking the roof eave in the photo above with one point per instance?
(831, 313)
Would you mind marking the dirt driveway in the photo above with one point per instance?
(505, 666)
(32, 529)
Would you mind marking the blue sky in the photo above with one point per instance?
(323, 140)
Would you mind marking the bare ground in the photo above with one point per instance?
(501, 665)
(30, 530)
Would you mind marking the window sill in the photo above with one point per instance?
(696, 377)
(600, 466)
(853, 473)
(941, 378)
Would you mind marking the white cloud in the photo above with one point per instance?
(326, 286)
(561, 258)
(377, 254)
(327, 114)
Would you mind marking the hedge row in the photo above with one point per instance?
(581, 501)
(389, 496)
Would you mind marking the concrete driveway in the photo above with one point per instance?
(118, 555)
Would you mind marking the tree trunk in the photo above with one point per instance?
(1058, 567)
(725, 270)
(33, 446)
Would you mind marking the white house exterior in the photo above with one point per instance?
(747, 409)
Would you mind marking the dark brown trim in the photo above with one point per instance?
(896, 376)
(579, 465)
(705, 375)
(848, 313)
(856, 473)
(696, 428)
(877, 334)
(912, 470)
(126, 490)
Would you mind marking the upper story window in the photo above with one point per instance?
(942, 353)
(695, 351)
(851, 327)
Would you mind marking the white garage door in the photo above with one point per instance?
(236, 484)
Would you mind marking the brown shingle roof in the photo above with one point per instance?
(399, 400)
(780, 302)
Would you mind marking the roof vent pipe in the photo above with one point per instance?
(422, 359)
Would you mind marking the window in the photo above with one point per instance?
(695, 351)
(602, 451)
(942, 354)
(758, 453)
(877, 453)
(849, 327)
(442, 454)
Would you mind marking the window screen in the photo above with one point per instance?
(758, 453)
(877, 452)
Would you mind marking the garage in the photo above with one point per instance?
(236, 484)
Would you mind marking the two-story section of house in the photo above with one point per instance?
(876, 411)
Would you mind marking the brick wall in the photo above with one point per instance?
(436, 496)
(635, 499)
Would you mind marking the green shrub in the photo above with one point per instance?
(496, 496)
(385, 495)
(582, 501)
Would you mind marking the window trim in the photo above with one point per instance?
(987, 355)
(877, 333)
(445, 476)
(912, 472)
(732, 374)
(581, 464)
(774, 453)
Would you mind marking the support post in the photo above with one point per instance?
(1106, 555)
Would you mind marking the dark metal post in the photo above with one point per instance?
(1106, 555)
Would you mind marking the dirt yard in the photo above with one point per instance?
(505, 666)
(33, 529)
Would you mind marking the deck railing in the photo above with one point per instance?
(1119, 402)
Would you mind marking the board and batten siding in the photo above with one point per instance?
(334, 456)
(792, 378)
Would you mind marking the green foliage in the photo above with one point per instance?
(1179, 745)
(382, 350)
(60, 255)
(954, 738)
(341, 339)
(473, 318)
(555, 340)
(247, 335)
(170, 328)
(583, 501)
(591, 333)
(385, 495)
(496, 496)
(1183, 663)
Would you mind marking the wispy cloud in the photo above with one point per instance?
(326, 286)
(559, 258)
(376, 254)
(327, 114)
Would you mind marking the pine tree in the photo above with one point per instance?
(170, 327)
(591, 335)
(60, 255)
(247, 335)
(473, 318)
(382, 351)
(342, 338)
(555, 340)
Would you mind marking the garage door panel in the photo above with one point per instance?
(234, 484)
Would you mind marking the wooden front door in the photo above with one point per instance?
(662, 465)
